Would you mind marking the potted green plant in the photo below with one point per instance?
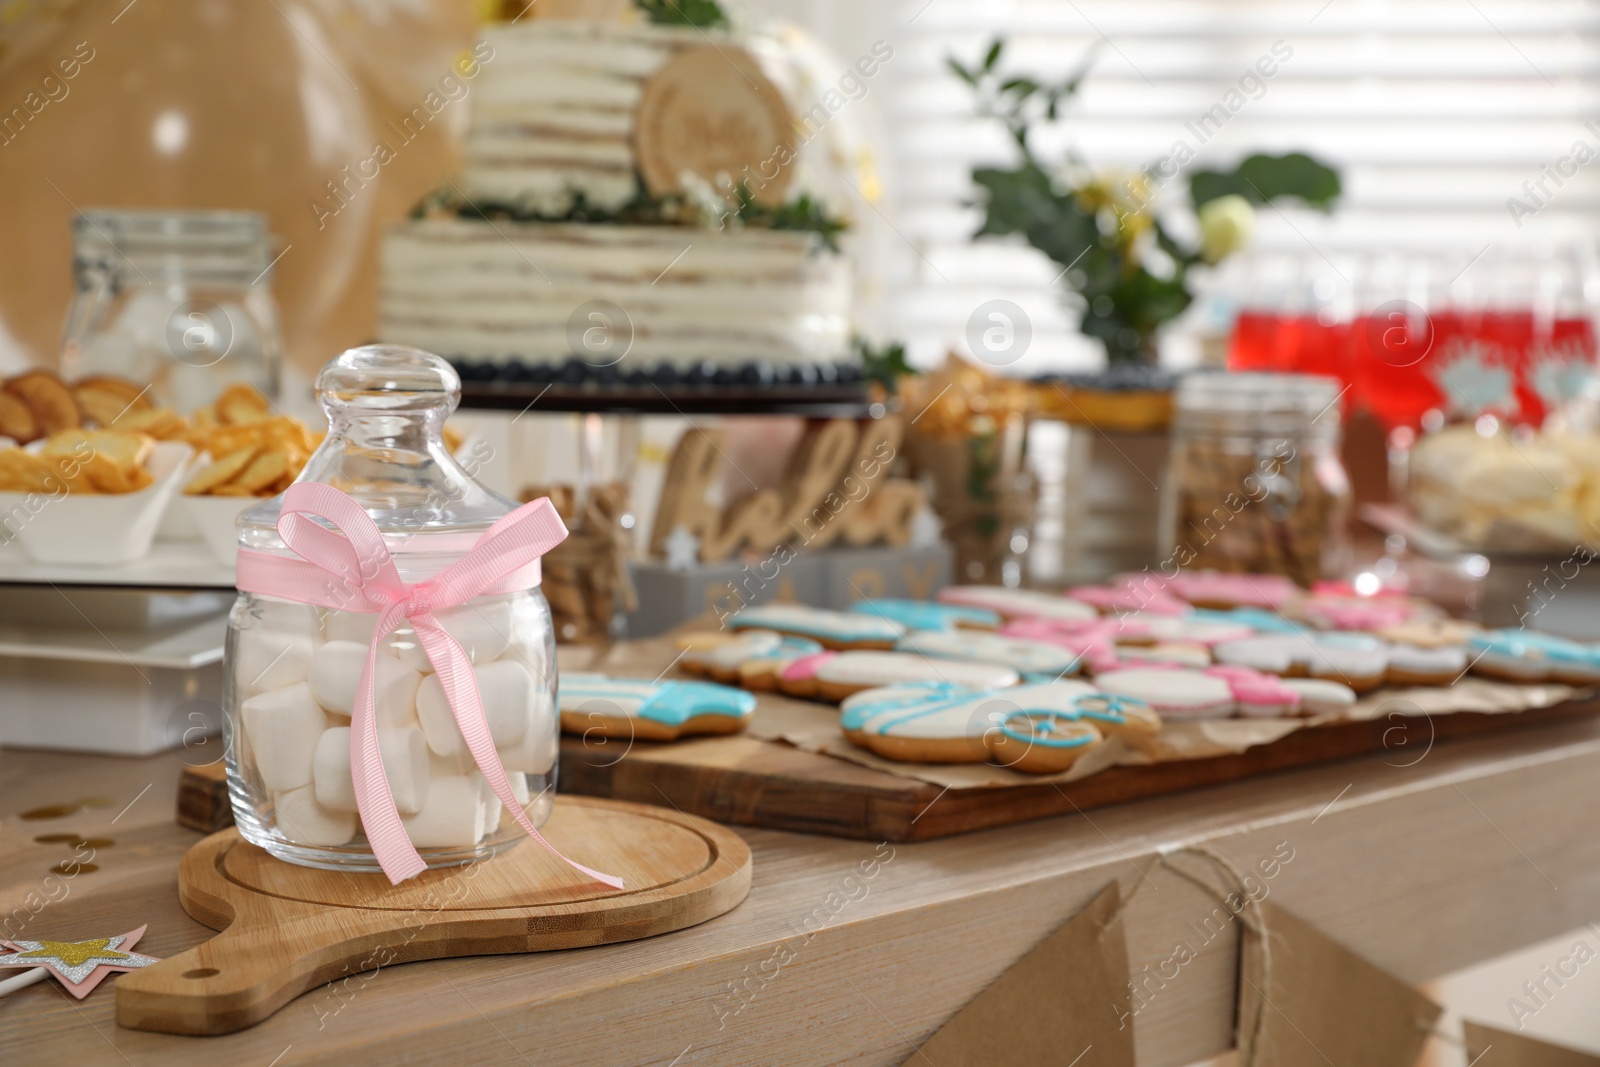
(1127, 274)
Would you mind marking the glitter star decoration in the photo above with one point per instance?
(80, 965)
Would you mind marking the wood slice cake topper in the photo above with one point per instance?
(711, 111)
(287, 929)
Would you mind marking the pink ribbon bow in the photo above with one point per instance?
(350, 569)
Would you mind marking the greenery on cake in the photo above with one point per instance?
(702, 13)
(803, 214)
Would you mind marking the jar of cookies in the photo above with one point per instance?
(1255, 483)
(337, 630)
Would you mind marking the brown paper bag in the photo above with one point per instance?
(1308, 1002)
(1491, 1047)
(1064, 1002)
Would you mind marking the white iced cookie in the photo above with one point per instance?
(282, 728)
(336, 672)
(831, 629)
(1021, 655)
(1018, 603)
(266, 659)
(836, 675)
(1321, 697)
(1023, 727)
(305, 822)
(1194, 657)
(507, 691)
(1418, 665)
(1174, 693)
(1357, 660)
(453, 816)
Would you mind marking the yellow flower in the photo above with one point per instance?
(1226, 224)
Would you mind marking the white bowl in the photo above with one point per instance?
(97, 529)
(216, 518)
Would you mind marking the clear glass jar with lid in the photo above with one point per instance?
(181, 300)
(1255, 481)
(292, 668)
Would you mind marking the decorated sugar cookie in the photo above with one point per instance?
(1034, 660)
(1219, 590)
(1162, 654)
(917, 615)
(1018, 603)
(1318, 696)
(1358, 660)
(1261, 620)
(831, 629)
(1431, 633)
(833, 676)
(1420, 665)
(1176, 693)
(1190, 630)
(942, 723)
(599, 705)
(1256, 694)
(1532, 656)
(1095, 645)
(1131, 719)
(1126, 596)
(735, 658)
(1338, 611)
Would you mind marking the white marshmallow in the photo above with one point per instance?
(483, 628)
(270, 659)
(535, 751)
(405, 765)
(330, 770)
(446, 766)
(349, 626)
(452, 815)
(336, 672)
(302, 820)
(492, 807)
(508, 694)
(283, 728)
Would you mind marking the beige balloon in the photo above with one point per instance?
(215, 104)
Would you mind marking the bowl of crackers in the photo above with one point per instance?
(87, 496)
(93, 467)
(248, 452)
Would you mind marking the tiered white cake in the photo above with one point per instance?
(551, 129)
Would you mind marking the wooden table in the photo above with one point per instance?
(1484, 845)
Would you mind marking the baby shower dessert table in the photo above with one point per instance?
(849, 951)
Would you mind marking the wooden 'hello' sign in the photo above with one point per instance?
(836, 488)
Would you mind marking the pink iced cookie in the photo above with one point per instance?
(1338, 611)
(1216, 589)
(1256, 694)
(1126, 597)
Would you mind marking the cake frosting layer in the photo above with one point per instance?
(553, 113)
(500, 291)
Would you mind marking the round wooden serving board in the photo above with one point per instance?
(287, 929)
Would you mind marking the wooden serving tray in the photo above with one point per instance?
(737, 779)
(287, 929)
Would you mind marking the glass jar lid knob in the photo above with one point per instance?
(383, 379)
